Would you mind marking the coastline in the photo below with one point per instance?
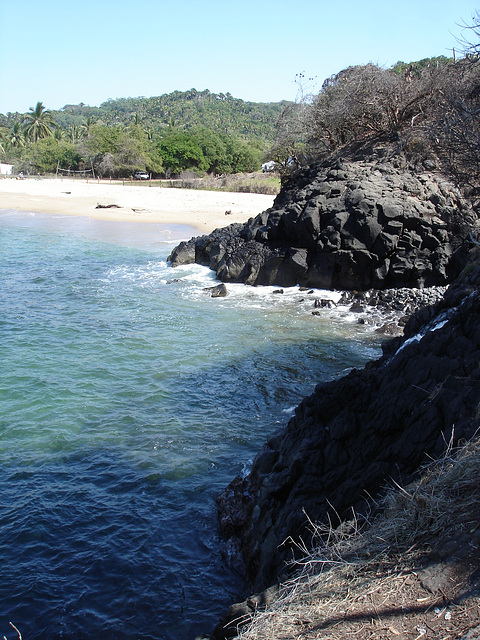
(203, 210)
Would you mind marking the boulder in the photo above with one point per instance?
(218, 291)
(350, 225)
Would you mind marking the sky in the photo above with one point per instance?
(69, 51)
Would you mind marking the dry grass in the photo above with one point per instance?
(365, 581)
(264, 183)
(256, 182)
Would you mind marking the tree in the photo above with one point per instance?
(180, 151)
(2, 142)
(16, 139)
(116, 151)
(455, 131)
(38, 123)
(86, 126)
(367, 101)
(470, 41)
(243, 157)
(289, 149)
(47, 155)
(416, 68)
(214, 150)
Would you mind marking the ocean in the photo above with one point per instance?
(129, 398)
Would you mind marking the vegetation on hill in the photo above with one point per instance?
(189, 109)
(429, 110)
(166, 135)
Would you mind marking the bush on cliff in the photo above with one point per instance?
(429, 108)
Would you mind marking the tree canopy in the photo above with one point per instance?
(166, 135)
(38, 123)
(431, 106)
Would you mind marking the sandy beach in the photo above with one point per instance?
(204, 210)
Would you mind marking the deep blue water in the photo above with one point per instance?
(129, 399)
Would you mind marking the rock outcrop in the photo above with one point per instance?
(358, 226)
(349, 226)
(355, 435)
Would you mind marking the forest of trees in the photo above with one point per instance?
(194, 131)
(426, 109)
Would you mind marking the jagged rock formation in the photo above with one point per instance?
(350, 225)
(355, 226)
(354, 435)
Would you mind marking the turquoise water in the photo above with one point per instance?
(129, 399)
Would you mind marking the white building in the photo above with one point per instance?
(6, 169)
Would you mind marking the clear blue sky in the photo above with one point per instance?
(70, 51)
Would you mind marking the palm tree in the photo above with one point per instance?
(72, 132)
(60, 134)
(3, 134)
(150, 133)
(38, 122)
(15, 137)
(86, 126)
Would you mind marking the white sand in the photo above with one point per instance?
(204, 210)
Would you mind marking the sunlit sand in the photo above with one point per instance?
(204, 210)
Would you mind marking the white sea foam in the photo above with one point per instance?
(192, 281)
(246, 468)
(261, 297)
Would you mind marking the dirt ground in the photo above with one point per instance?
(413, 573)
(424, 600)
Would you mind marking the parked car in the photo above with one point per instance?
(268, 167)
(141, 175)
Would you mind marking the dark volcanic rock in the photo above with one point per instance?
(352, 436)
(218, 291)
(351, 225)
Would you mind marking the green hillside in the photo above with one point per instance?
(165, 135)
(219, 112)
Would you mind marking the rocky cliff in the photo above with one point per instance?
(350, 225)
(353, 436)
(356, 225)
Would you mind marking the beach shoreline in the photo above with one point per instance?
(102, 200)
